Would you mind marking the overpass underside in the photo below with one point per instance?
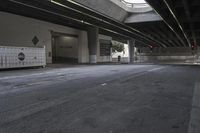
(151, 28)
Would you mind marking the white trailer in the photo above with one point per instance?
(18, 57)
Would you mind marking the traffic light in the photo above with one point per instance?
(193, 47)
(151, 47)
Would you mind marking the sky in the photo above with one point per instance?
(135, 1)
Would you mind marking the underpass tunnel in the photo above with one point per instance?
(99, 66)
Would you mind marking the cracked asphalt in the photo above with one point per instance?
(98, 99)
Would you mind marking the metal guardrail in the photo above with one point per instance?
(134, 5)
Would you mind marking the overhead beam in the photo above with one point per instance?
(177, 21)
(151, 31)
(170, 36)
(77, 7)
(164, 36)
(188, 14)
(158, 35)
(68, 12)
(155, 4)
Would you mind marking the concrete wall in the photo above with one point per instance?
(166, 51)
(19, 31)
(175, 55)
(144, 58)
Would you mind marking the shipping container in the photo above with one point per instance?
(19, 57)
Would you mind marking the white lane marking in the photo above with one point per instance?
(104, 84)
(155, 69)
(194, 124)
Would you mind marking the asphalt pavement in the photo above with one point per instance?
(100, 99)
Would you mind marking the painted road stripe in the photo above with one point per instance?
(155, 69)
(194, 124)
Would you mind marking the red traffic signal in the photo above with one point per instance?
(151, 47)
(193, 47)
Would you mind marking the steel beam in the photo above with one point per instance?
(177, 21)
(155, 4)
(188, 14)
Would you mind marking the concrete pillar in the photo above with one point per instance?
(131, 44)
(93, 39)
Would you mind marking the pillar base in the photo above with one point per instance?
(93, 59)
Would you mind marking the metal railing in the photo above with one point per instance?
(134, 5)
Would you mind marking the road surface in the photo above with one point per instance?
(99, 99)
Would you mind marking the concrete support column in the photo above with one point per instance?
(131, 44)
(93, 38)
